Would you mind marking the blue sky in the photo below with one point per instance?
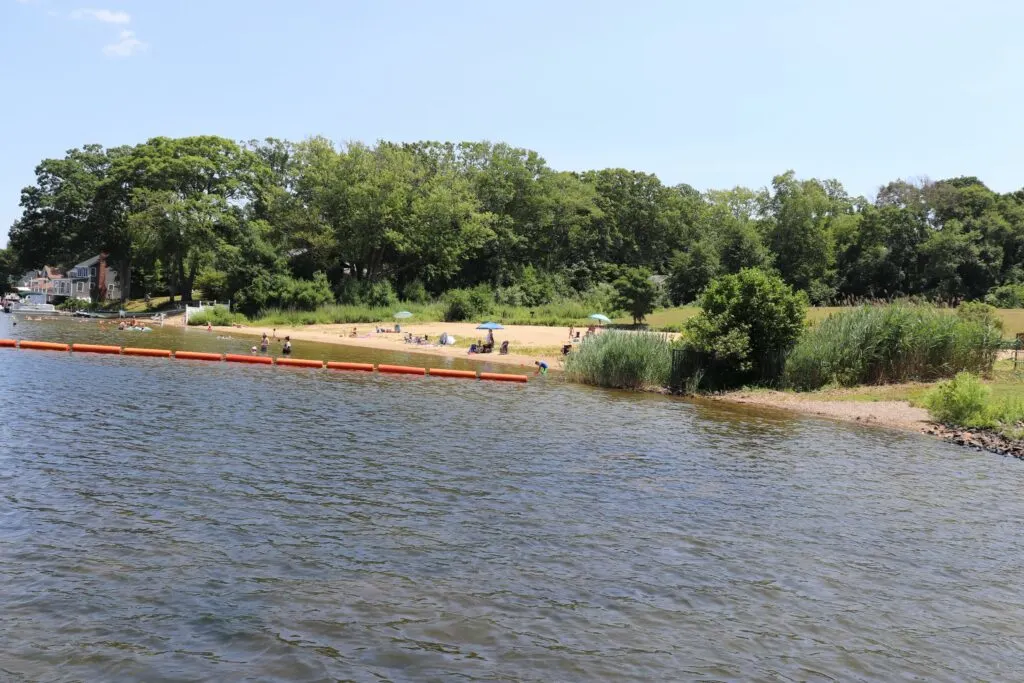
(714, 94)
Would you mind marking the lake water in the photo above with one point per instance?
(175, 521)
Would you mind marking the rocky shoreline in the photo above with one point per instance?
(981, 439)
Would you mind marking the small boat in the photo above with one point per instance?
(34, 309)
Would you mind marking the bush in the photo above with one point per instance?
(379, 294)
(415, 291)
(467, 304)
(219, 316)
(622, 360)
(1007, 296)
(960, 401)
(748, 322)
(894, 343)
(306, 295)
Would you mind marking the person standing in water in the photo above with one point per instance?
(287, 348)
(264, 343)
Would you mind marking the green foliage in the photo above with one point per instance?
(959, 401)
(622, 360)
(691, 271)
(467, 304)
(636, 294)
(415, 291)
(305, 295)
(213, 283)
(894, 343)
(254, 222)
(748, 321)
(379, 294)
(1006, 296)
(340, 314)
(218, 316)
(7, 271)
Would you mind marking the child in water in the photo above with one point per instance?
(287, 348)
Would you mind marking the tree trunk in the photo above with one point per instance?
(186, 296)
(124, 278)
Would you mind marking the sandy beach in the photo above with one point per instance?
(527, 343)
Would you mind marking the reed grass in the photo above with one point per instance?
(622, 360)
(892, 343)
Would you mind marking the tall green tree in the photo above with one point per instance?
(636, 293)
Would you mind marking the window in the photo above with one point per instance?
(81, 287)
(92, 272)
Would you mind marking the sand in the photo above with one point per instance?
(527, 343)
(894, 414)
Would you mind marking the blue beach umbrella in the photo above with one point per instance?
(489, 326)
(600, 316)
(402, 315)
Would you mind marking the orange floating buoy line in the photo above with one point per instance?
(262, 360)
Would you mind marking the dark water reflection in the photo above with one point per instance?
(167, 521)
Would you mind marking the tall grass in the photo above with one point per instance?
(893, 343)
(216, 316)
(334, 314)
(622, 360)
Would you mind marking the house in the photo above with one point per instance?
(93, 280)
(90, 280)
(45, 283)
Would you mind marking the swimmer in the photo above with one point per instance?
(209, 327)
(252, 350)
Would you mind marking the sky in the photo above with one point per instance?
(713, 94)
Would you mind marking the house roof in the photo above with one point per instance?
(90, 262)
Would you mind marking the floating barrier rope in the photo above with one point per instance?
(260, 360)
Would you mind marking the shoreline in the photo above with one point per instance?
(892, 414)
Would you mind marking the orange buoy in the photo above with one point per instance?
(444, 372)
(152, 353)
(95, 348)
(362, 367)
(195, 355)
(300, 362)
(255, 360)
(7, 343)
(44, 346)
(401, 370)
(499, 377)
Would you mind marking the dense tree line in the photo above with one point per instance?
(279, 223)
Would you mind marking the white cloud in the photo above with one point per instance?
(105, 15)
(127, 46)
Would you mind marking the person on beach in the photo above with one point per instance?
(287, 348)
(275, 334)
(353, 332)
(542, 367)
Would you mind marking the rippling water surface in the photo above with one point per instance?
(175, 521)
